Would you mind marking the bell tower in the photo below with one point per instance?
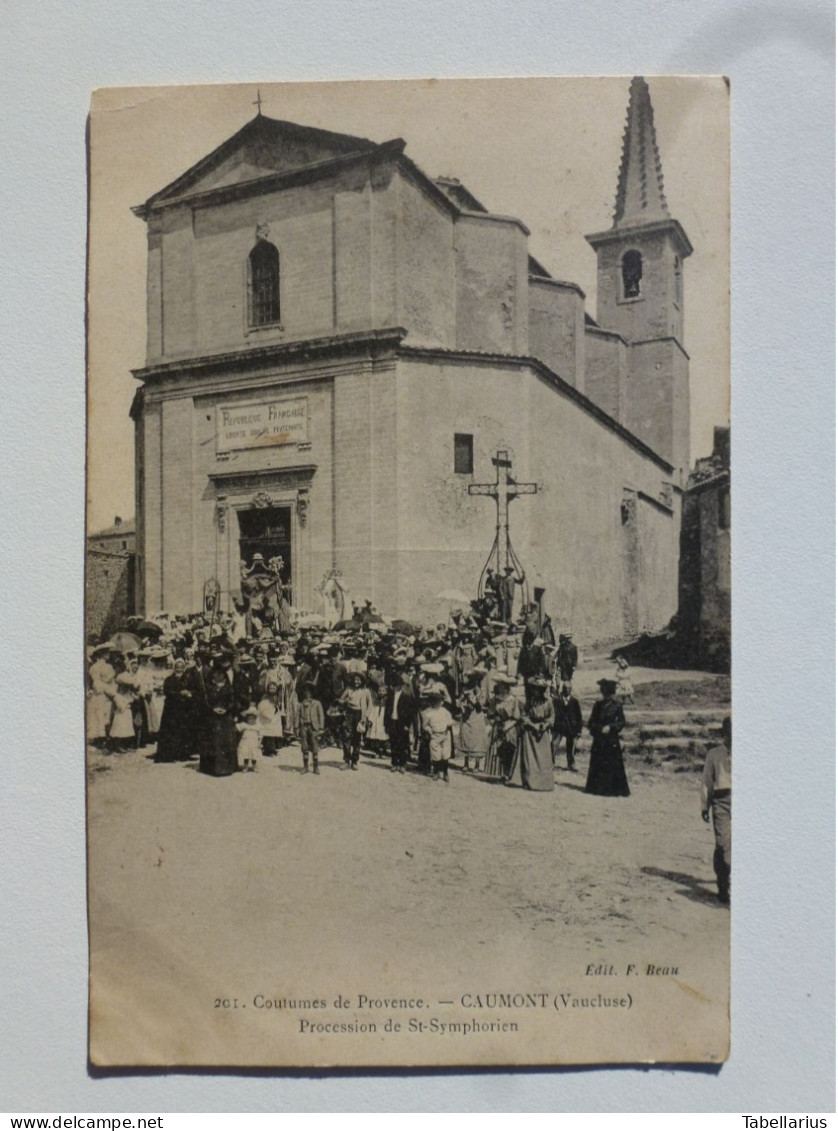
(640, 293)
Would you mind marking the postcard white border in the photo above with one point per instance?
(780, 61)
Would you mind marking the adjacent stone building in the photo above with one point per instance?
(339, 345)
(111, 580)
(704, 597)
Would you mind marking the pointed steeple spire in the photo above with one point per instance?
(640, 197)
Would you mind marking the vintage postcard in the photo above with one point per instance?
(408, 584)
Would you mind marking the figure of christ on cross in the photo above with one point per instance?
(503, 491)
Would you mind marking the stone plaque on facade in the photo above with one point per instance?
(269, 424)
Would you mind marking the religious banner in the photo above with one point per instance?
(440, 773)
(270, 424)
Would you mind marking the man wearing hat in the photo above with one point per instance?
(547, 633)
(330, 680)
(311, 724)
(507, 591)
(532, 663)
(399, 718)
(716, 798)
(567, 725)
(491, 592)
(567, 657)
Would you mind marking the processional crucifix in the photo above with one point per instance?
(503, 491)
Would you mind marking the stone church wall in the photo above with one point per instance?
(425, 257)
(658, 402)
(492, 285)
(606, 369)
(570, 535)
(557, 328)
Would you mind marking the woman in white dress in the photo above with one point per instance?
(157, 673)
(122, 734)
(100, 697)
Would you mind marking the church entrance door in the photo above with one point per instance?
(266, 531)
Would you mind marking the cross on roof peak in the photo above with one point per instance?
(258, 103)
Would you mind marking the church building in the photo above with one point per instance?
(339, 346)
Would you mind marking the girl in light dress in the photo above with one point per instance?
(249, 752)
(438, 726)
(270, 720)
(625, 688)
(378, 739)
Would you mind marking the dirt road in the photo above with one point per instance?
(291, 887)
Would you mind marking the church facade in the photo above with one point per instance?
(338, 347)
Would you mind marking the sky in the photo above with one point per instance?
(544, 150)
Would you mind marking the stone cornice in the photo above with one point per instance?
(301, 471)
(626, 235)
(601, 332)
(559, 284)
(659, 504)
(432, 353)
(370, 343)
(493, 218)
(665, 338)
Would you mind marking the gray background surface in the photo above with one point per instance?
(780, 59)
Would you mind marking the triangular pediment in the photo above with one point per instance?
(264, 147)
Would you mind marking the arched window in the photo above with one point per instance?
(263, 285)
(632, 264)
(678, 293)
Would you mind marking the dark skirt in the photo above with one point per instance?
(606, 773)
(174, 740)
(218, 749)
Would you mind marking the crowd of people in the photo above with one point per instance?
(492, 695)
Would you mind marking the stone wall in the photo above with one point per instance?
(492, 284)
(570, 535)
(110, 592)
(658, 399)
(557, 328)
(606, 369)
(704, 607)
(704, 598)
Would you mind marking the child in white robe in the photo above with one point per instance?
(270, 720)
(250, 740)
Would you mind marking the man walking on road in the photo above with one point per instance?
(567, 725)
(716, 797)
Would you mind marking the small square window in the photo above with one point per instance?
(463, 453)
